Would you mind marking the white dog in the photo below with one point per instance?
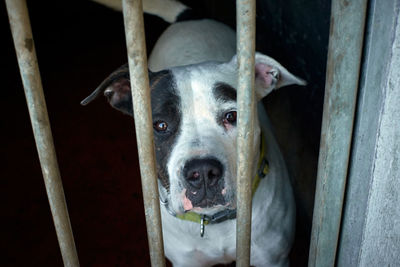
(192, 81)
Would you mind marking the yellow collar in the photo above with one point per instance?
(262, 171)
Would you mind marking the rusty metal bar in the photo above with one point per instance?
(343, 67)
(136, 46)
(26, 54)
(245, 17)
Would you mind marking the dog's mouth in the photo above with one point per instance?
(194, 201)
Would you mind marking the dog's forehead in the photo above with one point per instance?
(205, 85)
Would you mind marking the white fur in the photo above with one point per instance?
(175, 45)
(199, 109)
(273, 206)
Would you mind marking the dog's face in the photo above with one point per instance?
(194, 119)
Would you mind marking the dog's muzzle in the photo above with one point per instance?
(204, 183)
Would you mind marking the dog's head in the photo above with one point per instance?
(194, 120)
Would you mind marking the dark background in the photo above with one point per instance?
(78, 44)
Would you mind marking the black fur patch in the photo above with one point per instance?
(224, 92)
(165, 107)
(164, 104)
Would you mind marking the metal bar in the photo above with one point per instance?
(26, 54)
(136, 46)
(245, 17)
(343, 67)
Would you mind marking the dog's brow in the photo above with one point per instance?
(224, 92)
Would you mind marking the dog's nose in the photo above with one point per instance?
(203, 172)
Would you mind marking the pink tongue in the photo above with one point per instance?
(187, 204)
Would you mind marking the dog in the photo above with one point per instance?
(193, 81)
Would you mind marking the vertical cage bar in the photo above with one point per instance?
(136, 46)
(29, 69)
(343, 66)
(245, 17)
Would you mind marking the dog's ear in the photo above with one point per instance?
(270, 75)
(117, 90)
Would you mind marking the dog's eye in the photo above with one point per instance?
(160, 126)
(230, 117)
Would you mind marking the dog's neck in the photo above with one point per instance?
(228, 214)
